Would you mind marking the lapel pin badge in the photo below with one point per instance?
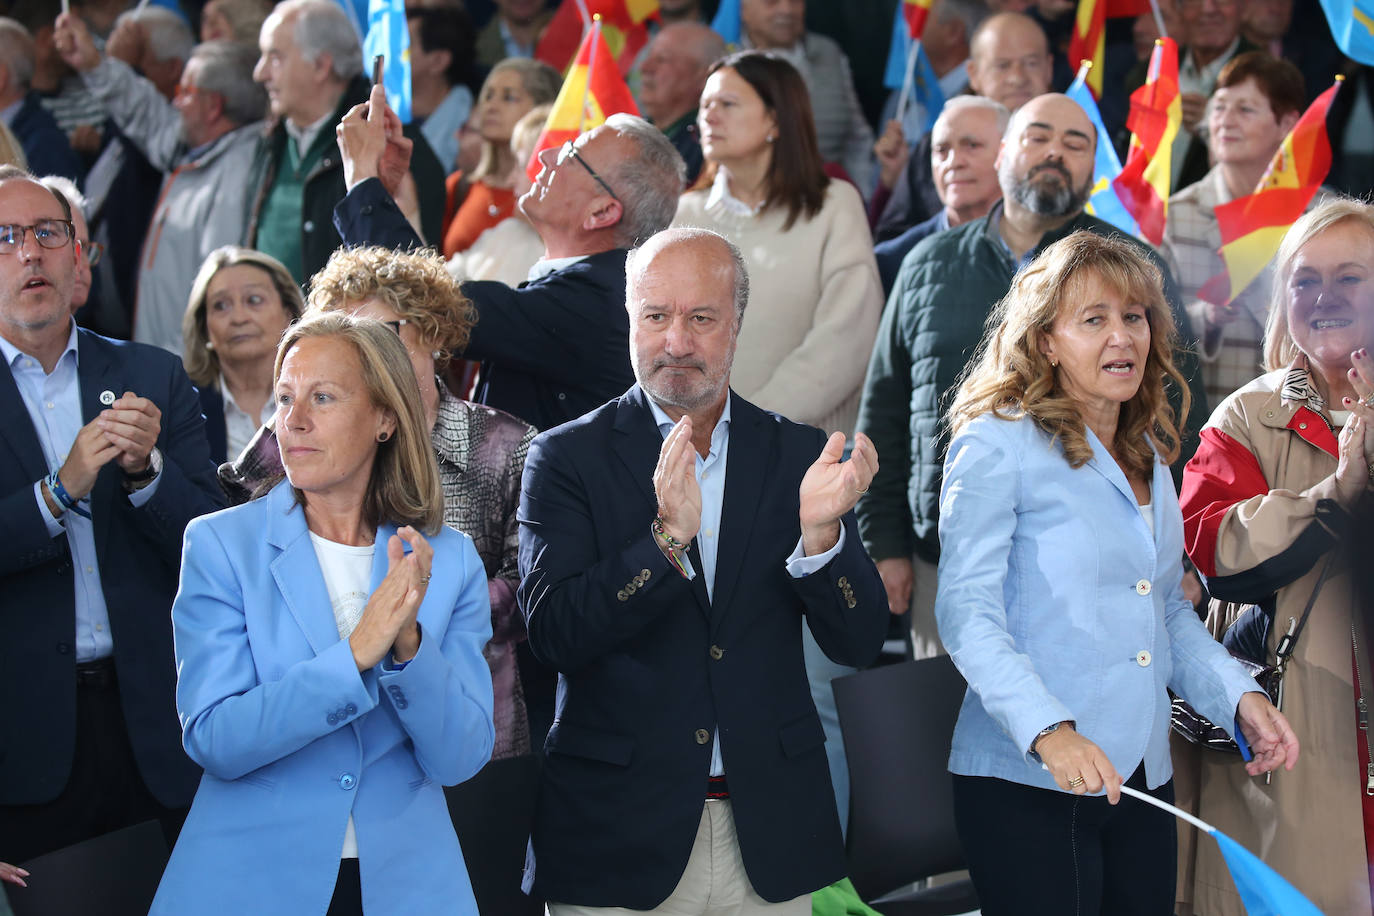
(107, 397)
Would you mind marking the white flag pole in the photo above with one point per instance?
(1165, 806)
(905, 96)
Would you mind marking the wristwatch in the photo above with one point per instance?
(1045, 731)
(136, 480)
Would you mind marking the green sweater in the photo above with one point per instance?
(933, 322)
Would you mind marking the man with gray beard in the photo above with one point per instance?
(203, 140)
(945, 289)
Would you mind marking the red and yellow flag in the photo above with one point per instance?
(1253, 226)
(624, 27)
(592, 90)
(1156, 112)
(916, 12)
(1089, 41)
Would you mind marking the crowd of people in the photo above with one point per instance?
(288, 380)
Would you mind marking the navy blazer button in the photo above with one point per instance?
(621, 594)
(562, 396)
(346, 781)
(332, 719)
(646, 574)
(843, 582)
(63, 649)
(703, 736)
(717, 653)
(351, 710)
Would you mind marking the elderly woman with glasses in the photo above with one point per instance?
(1281, 464)
(329, 655)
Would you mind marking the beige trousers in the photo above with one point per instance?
(714, 883)
(925, 636)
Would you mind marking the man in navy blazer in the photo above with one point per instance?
(671, 543)
(556, 347)
(103, 461)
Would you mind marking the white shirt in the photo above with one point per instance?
(239, 428)
(348, 579)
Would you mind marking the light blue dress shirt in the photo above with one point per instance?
(54, 404)
(441, 127)
(710, 473)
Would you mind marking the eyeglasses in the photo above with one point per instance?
(569, 150)
(48, 233)
(93, 251)
(396, 325)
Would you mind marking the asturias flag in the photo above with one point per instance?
(624, 26)
(1104, 204)
(1253, 226)
(915, 12)
(1352, 25)
(388, 34)
(925, 85)
(592, 90)
(1156, 112)
(726, 22)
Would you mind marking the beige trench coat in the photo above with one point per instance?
(1307, 823)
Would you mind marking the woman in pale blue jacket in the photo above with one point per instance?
(1060, 595)
(329, 648)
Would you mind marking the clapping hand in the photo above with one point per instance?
(1355, 458)
(388, 622)
(831, 487)
(675, 483)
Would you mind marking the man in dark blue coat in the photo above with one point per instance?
(103, 461)
(45, 145)
(671, 543)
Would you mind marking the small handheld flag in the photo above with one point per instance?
(1104, 204)
(388, 34)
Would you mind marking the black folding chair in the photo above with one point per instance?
(114, 875)
(897, 722)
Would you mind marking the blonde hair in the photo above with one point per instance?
(404, 488)
(526, 132)
(414, 285)
(202, 363)
(11, 151)
(1279, 347)
(1009, 376)
(540, 82)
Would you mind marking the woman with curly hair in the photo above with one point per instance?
(1061, 598)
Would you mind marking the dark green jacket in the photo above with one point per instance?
(933, 322)
(324, 186)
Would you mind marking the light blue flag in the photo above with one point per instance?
(1352, 25)
(925, 85)
(726, 22)
(1103, 203)
(1263, 891)
(387, 34)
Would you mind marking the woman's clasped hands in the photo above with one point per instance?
(389, 619)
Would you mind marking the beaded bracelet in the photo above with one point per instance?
(60, 493)
(662, 531)
(677, 551)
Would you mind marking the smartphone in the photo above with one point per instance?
(378, 65)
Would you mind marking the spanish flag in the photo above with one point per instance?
(1253, 226)
(624, 27)
(915, 12)
(1156, 112)
(592, 90)
(1089, 41)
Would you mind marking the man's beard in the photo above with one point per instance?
(1052, 199)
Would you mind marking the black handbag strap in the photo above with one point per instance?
(1288, 642)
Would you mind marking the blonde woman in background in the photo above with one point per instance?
(508, 250)
(11, 152)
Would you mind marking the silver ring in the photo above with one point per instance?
(1368, 401)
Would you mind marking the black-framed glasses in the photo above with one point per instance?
(397, 325)
(48, 233)
(569, 150)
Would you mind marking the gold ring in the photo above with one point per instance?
(1076, 782)
(864, 490)
(424, 580)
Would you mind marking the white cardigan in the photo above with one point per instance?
(814, 304)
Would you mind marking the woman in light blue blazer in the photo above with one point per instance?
(329, 649)
(1060, 595)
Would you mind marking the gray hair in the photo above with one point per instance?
(66, 189)
(322, 27)
(647, 183)
(16, 50)
(226, 68)
(638, 260)
(168, 35)
(971, 102)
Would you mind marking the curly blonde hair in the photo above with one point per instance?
(1010, 376)
(413, 284)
